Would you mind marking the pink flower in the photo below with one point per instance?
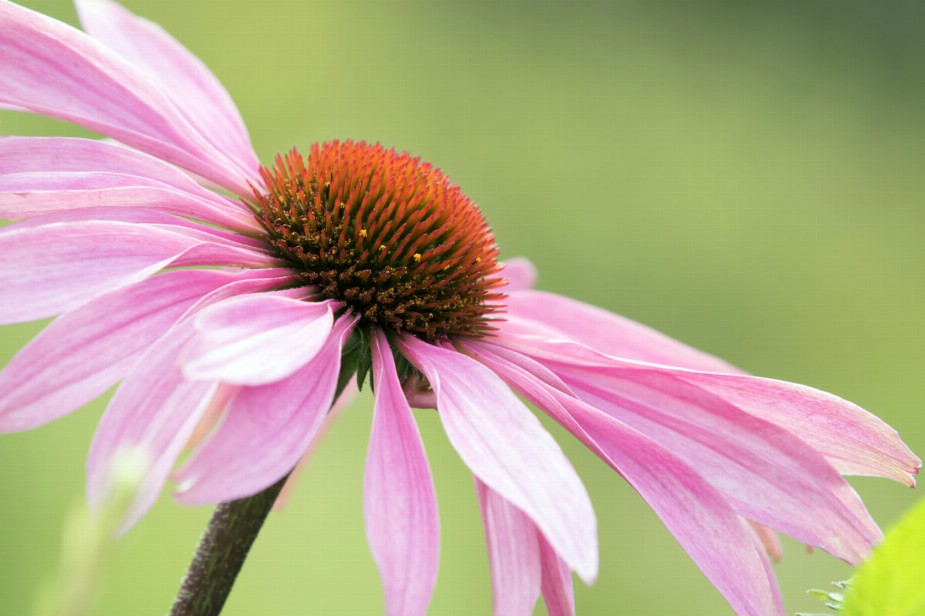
(243, 314)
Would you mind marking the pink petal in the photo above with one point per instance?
(854, 441)
(47, 269)
(402, 523)
(53, 69)
(763, 555)
(507, 448)
(265, 431)
(29, 194)
(53, 268)
(717, 539)
(256, 339)
(158, 220)
(513, 552)
(74, 154)
(767, 474)
(607, 332)
(520, 274)
(84, 352)
(558, 594)
(39, 175)
(155, 410)
(180, 75)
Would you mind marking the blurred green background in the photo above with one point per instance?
(745, 177)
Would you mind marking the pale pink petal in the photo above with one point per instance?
(265, 431)
(558, 594)
(717, 539)
(29, 194)
(84, 352)
(154, 410)
(239, 250)
(158, 220)
(256, 339)
(34, 172)
(76, 155)
(191, 86)
(138, 216)
(56, 70)
(767, 474)
(400, 505)
(49, 269)
(513, 553)
(519, 273)
(607, 332)
(507, 448)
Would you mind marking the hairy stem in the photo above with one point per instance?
(221, 553)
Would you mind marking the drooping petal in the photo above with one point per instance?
(513, 553)
(853, 440)
(189, 84)
(766, 473)
(155, 410)
(607, 332)
(507, 448)
(402, 523)
(256, 339)
(717, 539)
(84, 352)
(56, 70)
(558, 594)
(519, 273)
(265, 431)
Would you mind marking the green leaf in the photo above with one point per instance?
(892, 581)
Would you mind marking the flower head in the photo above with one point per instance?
(232, 322)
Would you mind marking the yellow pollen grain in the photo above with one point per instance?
(363, 233)
(417, 257)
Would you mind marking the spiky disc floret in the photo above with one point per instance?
(387, 235)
